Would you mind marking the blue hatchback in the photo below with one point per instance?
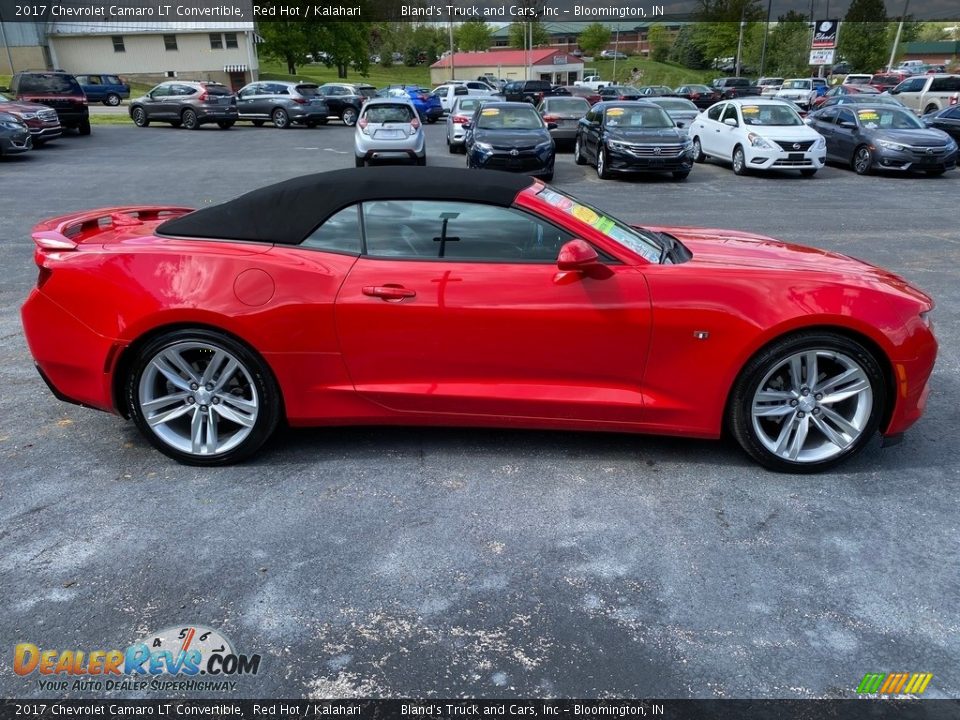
(427, 104)
(106, 89)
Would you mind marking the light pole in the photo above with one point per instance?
(3, 39)
(896, 40)
(766, 31)
(743, 24)
(453, 52)
(616, 52)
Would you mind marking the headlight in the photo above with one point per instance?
(28, 115)
(951, 145)
(483, 147)
(12, 125)
(758, 142)
(820, 144)
(617, 145)
(888, 145)
(545, 145)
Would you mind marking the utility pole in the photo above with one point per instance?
(453, 53)
(766, 31)
(616, 51)
(3, 39)
(743, 24)
(896, 40)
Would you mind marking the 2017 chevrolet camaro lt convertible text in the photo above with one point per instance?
(431, 296)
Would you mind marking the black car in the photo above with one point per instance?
(947, 120)
(531, 91)
(14, 135)
(882, 137)
(510, 136)
(343, 101)
(619, 92)
(700, 95)
(57, 90)
(632, 137)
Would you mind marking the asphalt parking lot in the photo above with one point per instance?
(447, 563)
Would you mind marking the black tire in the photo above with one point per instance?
(422, 161)
(451, 148)
(261, 382)
(225, 124)
(740, 408)
(322, 121)
(112, 100)
(548, 177)
(602, 171)
(189, 119)
(349, 116)
(862, 160)
(84, 127)
(257, 123)
(739, 161)
(808, 172)
(359, 161)
(680, 175)
(280, 119)
(311, 123)
(578, 157)
(139, 117)
(930, 108)
(175, 123)
(431, 120)
(698, 155)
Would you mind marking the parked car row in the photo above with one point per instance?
(38, 107)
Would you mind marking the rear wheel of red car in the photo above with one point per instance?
(202, 398)
(807, 402)
(190, 120)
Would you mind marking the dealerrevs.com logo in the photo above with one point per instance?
(177, 658)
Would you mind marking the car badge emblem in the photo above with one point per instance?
(796, 146)
(930, 151)
(656, 151)
(514, 152)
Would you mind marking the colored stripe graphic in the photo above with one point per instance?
(894, 683)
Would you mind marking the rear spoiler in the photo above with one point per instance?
(69, 231)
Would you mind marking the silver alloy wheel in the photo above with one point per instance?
(601, 161)
(697, 150)
(349, 117)
(280, 118)
(113, 99)
(812, 405)
(139, 117)
(862, 161)
(198, 398)
(577, 153)
(738, 161)
(190, 120)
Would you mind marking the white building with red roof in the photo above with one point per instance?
(549, 64)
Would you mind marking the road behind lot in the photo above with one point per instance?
(445, 562)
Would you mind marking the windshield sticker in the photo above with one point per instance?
(614, 112)
(750, 110)
(868, 115)
(585, 214)
(490, 112)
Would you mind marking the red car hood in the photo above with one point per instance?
(734, 249)
(16, 107)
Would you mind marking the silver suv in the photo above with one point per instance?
(389, 129)
(187, 104)
(282, 103)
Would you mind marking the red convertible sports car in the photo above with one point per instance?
(429, 296)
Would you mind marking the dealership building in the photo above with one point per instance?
(550, 64)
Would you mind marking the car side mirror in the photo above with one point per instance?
(847, 124)
(577, 256)
(4, 89)
(731, 122)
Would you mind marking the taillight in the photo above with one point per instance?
(415, 124)
(953, 100)
(460, 119)
(362, 124)
(695, 96)
(300, 101)
(550, 118)
(204, 96)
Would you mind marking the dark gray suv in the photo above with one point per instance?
(184, 103)
(282, 103)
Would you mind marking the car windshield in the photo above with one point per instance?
(669, 104)
(638, 241)
(389, 113)
(698, 88)
(638, 117)
(469, 105)
(509, 118)
(309, 90)
(796, 85)
(368, 91)
(888, 119)
(770, 115)
(571, 104)
(51, 83)
(4, 98)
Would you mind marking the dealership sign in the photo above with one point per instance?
(821, 57)
(825, 34)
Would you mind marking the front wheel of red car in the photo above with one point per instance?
(807, 402)
(202, 397)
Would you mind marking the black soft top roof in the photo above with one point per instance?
(289, 211)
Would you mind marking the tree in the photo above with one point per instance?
(474, 34)
(594, 39)
(286, 41)
(520, 30)
(346, 44)
(788, 47)
(659, 41)
(718, 33)
(685, 51)
(863, 36)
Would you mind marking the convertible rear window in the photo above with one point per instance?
(340, 233)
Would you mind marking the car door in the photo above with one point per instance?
(246, 101)
(92, 87)
(708, 128)
(948, 121)
(459, 308)
(728, 135)
(823, 123)
(846, 134)
(156, 103)
(590, 129)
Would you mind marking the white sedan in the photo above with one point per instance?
(757, 134)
